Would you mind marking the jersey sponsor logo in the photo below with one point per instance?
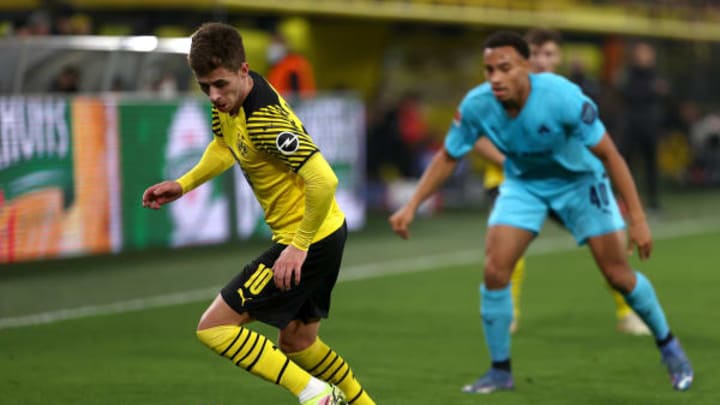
(287, 143)
(589, 113)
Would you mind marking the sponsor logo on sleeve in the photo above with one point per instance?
(287, 143)
(589, 113)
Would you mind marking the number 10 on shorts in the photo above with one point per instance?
(259, 279)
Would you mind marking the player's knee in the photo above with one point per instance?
(621, 278)
(294, 343)
(208, 321)
(496, 275)
(205, 322)
(495, 281)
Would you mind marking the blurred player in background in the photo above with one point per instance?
(291, 73)
(558, 158)
(289, 285)
(545, 56)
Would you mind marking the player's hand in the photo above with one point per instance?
(160, 194)
(400, 221)
(639, 235)
(288, 267)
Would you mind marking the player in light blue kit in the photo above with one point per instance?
(558, 157)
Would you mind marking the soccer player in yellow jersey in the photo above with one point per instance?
(289, 285)
(545, 56)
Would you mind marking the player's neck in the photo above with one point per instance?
(243, 95)
(514, 106)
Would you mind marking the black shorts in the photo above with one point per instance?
(253, 290)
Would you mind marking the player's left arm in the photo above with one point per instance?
(615, 165)
(320, 184)
(485, 148)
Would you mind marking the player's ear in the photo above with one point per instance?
(525, 64)
(244, 68)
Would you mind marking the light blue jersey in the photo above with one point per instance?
(549, 138)
(548, 161)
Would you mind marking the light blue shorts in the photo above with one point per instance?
(586, 206)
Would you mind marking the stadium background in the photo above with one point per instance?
(98, 298)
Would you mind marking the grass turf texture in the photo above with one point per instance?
(412, 338)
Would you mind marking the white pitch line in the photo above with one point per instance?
(350, 273)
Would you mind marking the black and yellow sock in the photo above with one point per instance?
(256, 354)
(322, 362)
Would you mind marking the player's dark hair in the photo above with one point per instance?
(215, 45)
(541, 36)
(508, 38)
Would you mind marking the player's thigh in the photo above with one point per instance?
(588, 208)
(610, 253)
(504, 246)
(220, 313)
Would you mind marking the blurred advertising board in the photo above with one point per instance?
(73, 170)
(55, 180)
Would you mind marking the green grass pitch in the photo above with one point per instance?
(412, 336)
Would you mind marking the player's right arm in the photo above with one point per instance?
(216, 159)
(485, 148)
(440, 168)
(459, 141)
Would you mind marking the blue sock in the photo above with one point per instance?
(643, 301)
(496, 308)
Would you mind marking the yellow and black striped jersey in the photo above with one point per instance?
(271, 145)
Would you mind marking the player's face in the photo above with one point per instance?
(226, 89)
(507, 72)
(545, 57)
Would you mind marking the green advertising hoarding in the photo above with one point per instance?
(161, 140)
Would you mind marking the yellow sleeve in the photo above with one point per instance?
(320, 185)
(216, 159)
